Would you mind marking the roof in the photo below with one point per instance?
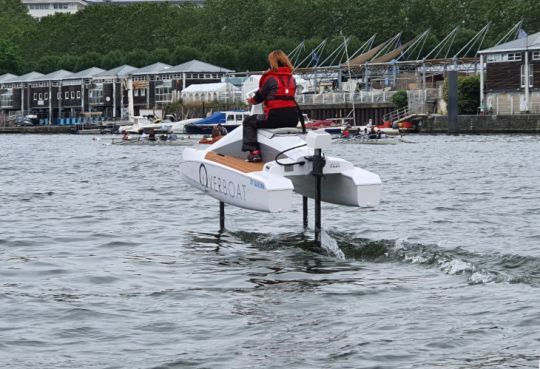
(87, 73)
(53, 76)
(197, 66)
(6, 77)
(25, 77)
(210, 87)
(152, 69)
(118, 72)
(531, 42)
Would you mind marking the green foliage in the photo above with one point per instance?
(400, 99)
(237, 34)
(468, 94)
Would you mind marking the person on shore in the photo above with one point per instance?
(125, 136)
(277, 88)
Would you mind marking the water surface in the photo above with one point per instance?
(109, 260)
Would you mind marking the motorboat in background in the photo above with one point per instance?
(138, 123)
(228, 119)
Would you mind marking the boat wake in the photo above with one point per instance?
(477, 268)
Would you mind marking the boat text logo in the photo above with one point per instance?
(203, 176)
(221, 185)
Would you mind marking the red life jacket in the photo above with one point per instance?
(284, 97)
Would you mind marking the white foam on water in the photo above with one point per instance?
(416, 259)
(331, 245)
(400, 243)
(457, 266)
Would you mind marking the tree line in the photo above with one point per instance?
(236, 34)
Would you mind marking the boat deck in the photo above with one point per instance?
(234, 162)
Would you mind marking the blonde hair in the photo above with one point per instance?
(278, 58)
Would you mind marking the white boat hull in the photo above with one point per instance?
(256, 190)
(219, 171)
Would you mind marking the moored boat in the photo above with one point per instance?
(228, 119)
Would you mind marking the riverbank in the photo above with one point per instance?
(485, 124)
(38, 130)
(467, 124)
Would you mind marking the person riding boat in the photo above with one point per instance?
(277, 88)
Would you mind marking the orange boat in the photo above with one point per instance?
(209, 140)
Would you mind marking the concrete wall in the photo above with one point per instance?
(469, 124)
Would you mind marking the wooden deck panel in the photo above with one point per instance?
(234, 162)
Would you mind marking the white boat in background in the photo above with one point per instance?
(179, 126)
(221, 171)
(139, 122)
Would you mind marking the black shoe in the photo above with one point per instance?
(254, 156)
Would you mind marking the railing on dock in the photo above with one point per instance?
(397, 115)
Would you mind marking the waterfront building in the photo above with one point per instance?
(510, 78)
(45, 94)
(15, 92)
(63, 97)
(143, 88)
(42, 8)
(160, 84)
(108, 93)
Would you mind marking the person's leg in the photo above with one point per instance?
(249, 126)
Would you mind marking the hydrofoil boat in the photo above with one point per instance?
(291, 161)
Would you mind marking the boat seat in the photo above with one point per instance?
(234, 162)
(285, 130)
(281, 131)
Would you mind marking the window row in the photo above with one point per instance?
(38, 6)
(177, 76)
(493, 58)
(67, 95)
(139, 92)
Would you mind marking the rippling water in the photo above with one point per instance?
(109, 260)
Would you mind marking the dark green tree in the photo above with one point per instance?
(400, 99)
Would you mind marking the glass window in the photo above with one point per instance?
(40, 96)
(72, 94)
(514, 56)
(163, 94)
(530, 75)
(46, 96)
(66, 95)
(78, 94)
(536, 55)
(35, 96)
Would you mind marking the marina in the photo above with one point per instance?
(184, 188)
(110, 253)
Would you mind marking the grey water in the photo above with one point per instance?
(109, 260)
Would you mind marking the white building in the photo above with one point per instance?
(221, 91)
(42, 8)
